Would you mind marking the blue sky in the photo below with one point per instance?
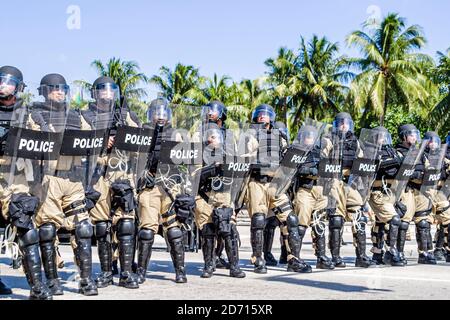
(228, 37)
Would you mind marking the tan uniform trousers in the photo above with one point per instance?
(154, 205)
(382, 205)
(415, 202)
(204, 210)
(308, 201)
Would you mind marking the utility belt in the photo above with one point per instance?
(420, 214)
(261, 178)
(305, 183)
(414, 186)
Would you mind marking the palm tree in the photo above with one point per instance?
(440, 115)
(216, 89)
(126, 74)
(318, 88)
(281, 70)
(182, 85)
(390, 67)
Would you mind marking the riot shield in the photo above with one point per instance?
(432, 186)
(412, 158)
(308, 138)
(86, 138)
(180, 161)
(33, 148)
(330, 166)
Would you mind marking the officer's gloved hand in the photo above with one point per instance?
(184, 206)
(92, 196)
(400, 208)
(313, 171)
(417, 175)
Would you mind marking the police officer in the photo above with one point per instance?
(309, 200)
(261, 195)
(115, 209)
(11, 84)
(214, 213)
(388, 211)
(419, 207)
(155, 201)
(344, 143)
(217, 114)
(436, 165)
(64, 204)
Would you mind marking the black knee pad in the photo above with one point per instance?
(84, 230)
(404, 225)
(29, 238)
(336, 222)
(272, 222)
(396, 221)
(102, 230)
(302, 231)
(174, 233)
(423, 225)
(47, 232)
(146, 234)
(209, 230)
(126, 228)
(292, 221)
(258, 221)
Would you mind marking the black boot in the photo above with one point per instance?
(392, 256)
(335, 225)
(175, 237)
(378, 243)
(430, 248)
(362, 260)
(295, 238)
(323, 262)
(232, 249)
(401, 240)
(47, 235)
(257, 241)
(31, 262)
(126, 235)
(422, 230)
(145, 245)
(440, 252)
(269, 233)
(83, 236)
(221, 261)
(283, 255)
(208, 246)
(104, 247)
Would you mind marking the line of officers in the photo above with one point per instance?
(109, 210)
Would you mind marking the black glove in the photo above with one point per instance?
(417, 175)
(184, 206)
(400, 208)
(92, 197)
(21, 208)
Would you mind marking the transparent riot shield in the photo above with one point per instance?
(180, 161)
(412, 158)
(296, 154)
(364, 169)
(33, 148)
(330, 166)
(433, 178)
(86, 138)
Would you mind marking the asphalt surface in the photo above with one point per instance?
(411, 282)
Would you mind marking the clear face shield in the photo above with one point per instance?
(344, 125)
(214, 113)
(434, 143)
(160, 115)
(307, 138)
(412, 137)
(383, 139)
(9, 86)
(106, 95)
(55, 93)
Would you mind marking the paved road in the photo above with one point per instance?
(412, 282)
